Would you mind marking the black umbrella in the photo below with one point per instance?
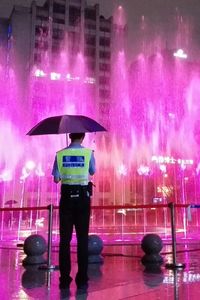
(66, 124)
(11, 202)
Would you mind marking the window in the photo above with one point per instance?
(104, 67)
(90, 14)
(42, 18)
(104, 41)
(37, 58)
(74, 15)
(104, 80)
(91, 65)
(55, 48)
(104, 93)
(42, 45)
(90, 26)
(105, 29)
(41, 31)
(58, 8)
(90, 40)
(105, 55)
(90, 52)
(58, 34)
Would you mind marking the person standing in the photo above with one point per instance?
(72, 167)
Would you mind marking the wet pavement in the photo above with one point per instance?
(121, 276)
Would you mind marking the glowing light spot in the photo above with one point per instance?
(180, 54)
(39, 172)
(143, 170)
(39, 222)
(30, 165)
(171, 115)
(171, 160)
(198, 168)
(68, 76)
(183, 166)
(122, 170)
(26, 170)
(39, 73)
(90, 80)
(6, 175)
(163, 168)
(122, 211)
(25, 174)
(55, 76)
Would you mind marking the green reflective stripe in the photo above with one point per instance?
(73, 165)
(74, 177)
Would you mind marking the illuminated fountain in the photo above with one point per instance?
(150, 154)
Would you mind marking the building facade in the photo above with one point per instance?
(39, 32)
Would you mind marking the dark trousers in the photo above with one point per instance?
(74, 211)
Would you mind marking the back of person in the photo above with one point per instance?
(72, 167)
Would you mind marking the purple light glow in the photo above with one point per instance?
(152, 107)
(143, 170)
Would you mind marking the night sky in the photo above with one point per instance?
(158, 13)
(133, 7)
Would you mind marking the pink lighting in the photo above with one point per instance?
(6, 176)
(122, 170)
(180, 54)
(143, 170)
(148, 101)
(39, 73)
(198, 168)
(68, 76)
(90, 80)
(30, 165)
(38, 171)
(163, 168)
(27, 169)
(171, 160)
(25, 174)
(183, 166)
(55, 76)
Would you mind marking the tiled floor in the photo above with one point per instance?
(120, 277)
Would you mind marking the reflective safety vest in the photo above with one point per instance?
(73, 165)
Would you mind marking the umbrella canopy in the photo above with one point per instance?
(10, 202)
(66, 124)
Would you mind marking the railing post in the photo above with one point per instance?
(50, 228)
(49, 266)
(174, 264)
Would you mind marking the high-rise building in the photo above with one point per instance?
(71, 25)
(3, 40)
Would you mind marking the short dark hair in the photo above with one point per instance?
(76, 136)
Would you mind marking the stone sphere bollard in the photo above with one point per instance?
(95, 246)
(152, 245)
(34, 247)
